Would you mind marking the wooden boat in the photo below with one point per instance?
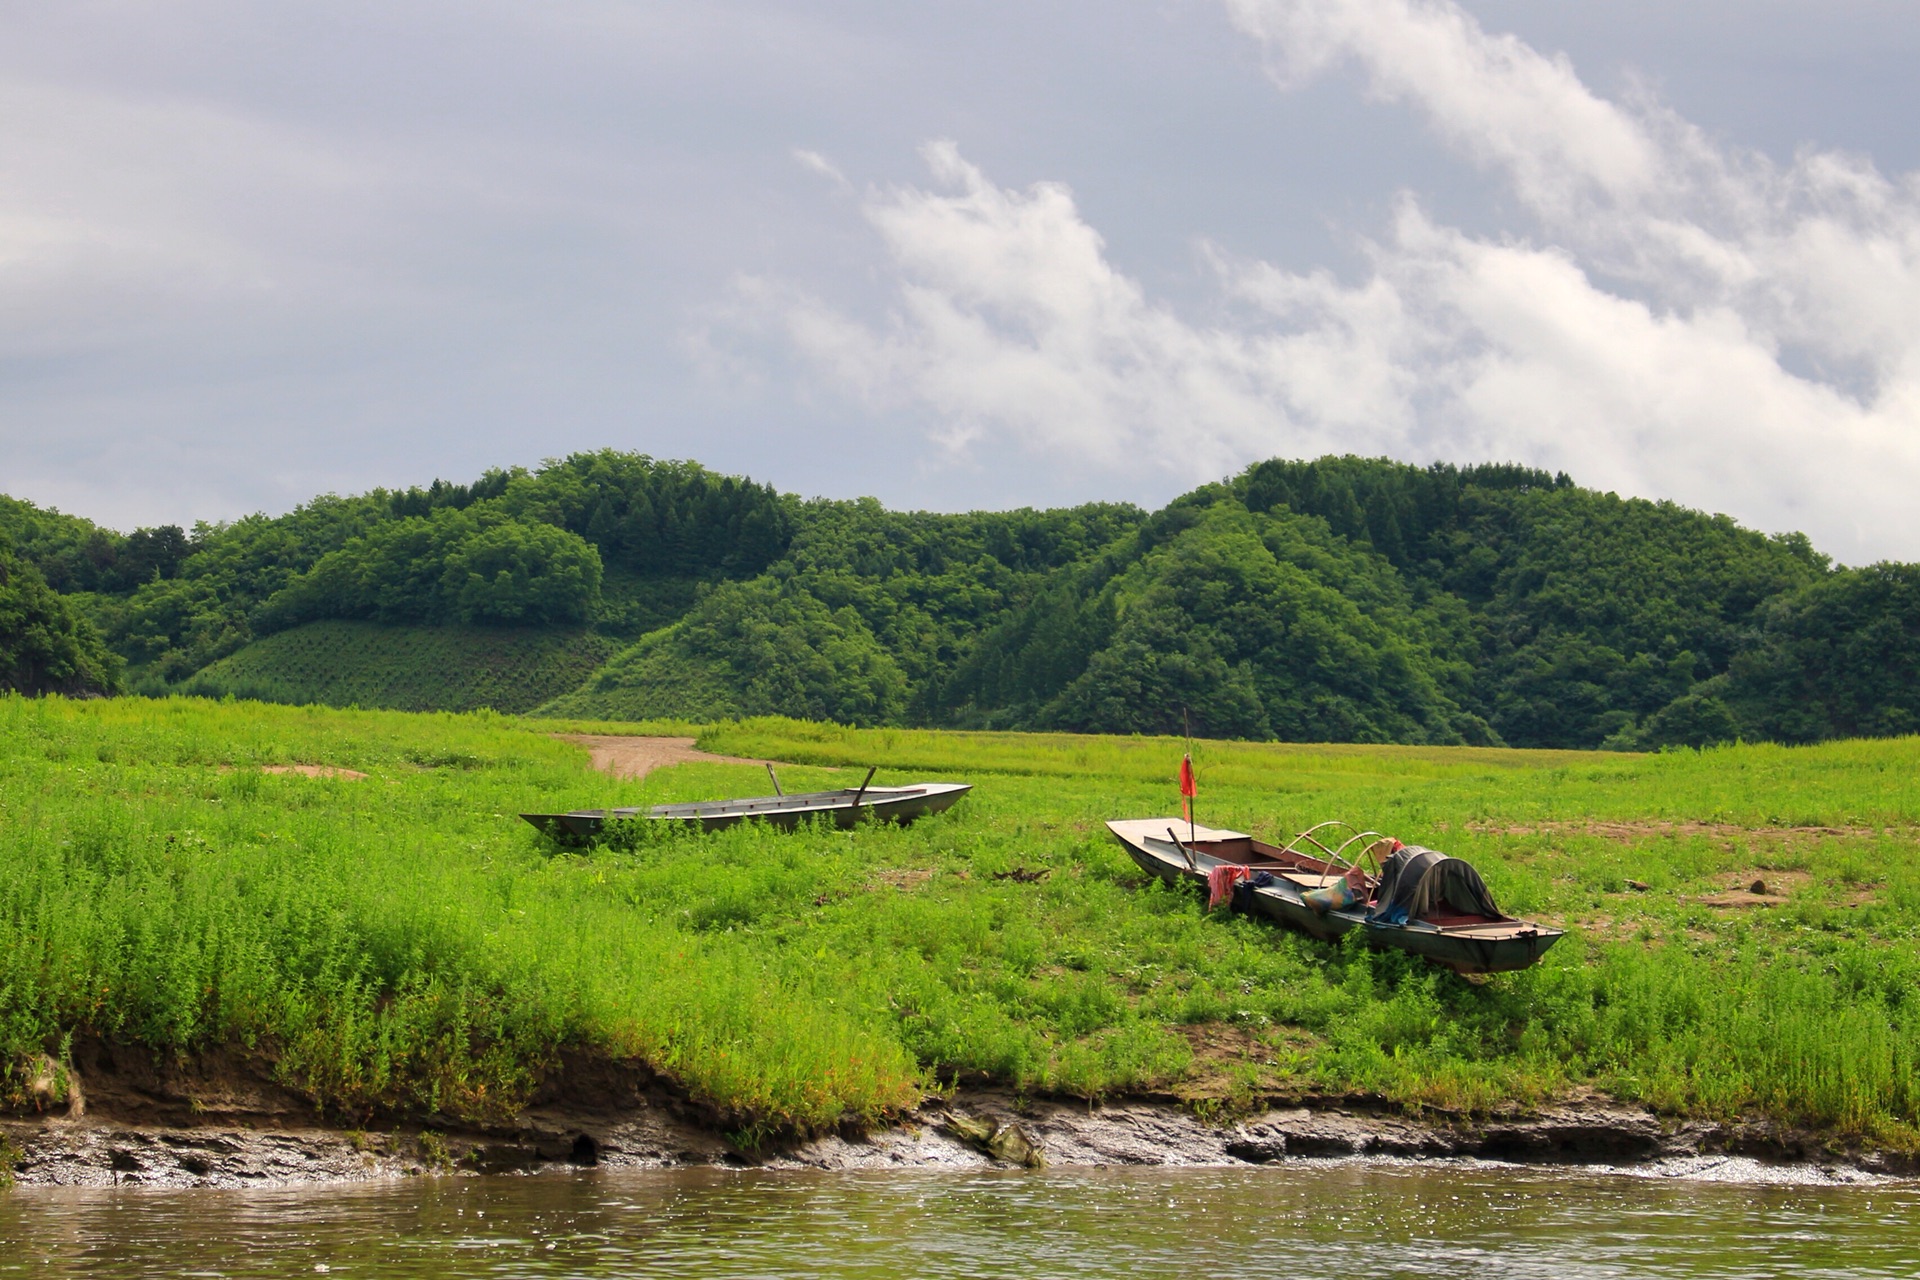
(844, 808)
(1305, 883)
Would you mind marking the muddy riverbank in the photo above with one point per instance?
(223, 1121)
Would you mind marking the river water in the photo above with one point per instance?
(1298, 1221)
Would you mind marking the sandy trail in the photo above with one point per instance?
(628, 757)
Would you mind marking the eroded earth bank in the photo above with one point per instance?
(223, 1122)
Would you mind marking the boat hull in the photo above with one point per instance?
(1285, 905)
(1463, 951)
(844, 808)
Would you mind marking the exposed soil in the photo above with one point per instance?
(313, 770)
(630, 757)
(305, 770)
(1630, 832)
(1759, 888)
(900, 877)
(222, 1121)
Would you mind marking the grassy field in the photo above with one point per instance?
(403, 668)
(402, 944)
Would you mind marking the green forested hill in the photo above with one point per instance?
(1452, 604)
(1342, 599)
(862, 621)
(612, 541)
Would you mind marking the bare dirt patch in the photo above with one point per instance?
(632, 757)
(1629, 832)
(1735, 900)
(1757, 888)
(314, 771)
(1613, 930)
(901, 878)
(1235, 1059)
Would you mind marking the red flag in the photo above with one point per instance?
(1187, 788)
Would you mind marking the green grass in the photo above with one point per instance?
(405, 668)
(404, 945)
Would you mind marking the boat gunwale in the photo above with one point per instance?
(798, 802)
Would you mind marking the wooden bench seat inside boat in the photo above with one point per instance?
(1474, 926)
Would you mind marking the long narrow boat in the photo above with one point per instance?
(844, 808)
(1319, 882)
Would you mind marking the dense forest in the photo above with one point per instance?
(1342, 599)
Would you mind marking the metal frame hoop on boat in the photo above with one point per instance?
(1339, 853)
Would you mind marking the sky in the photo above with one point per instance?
(965, 254)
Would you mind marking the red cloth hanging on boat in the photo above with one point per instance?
(1221, 878)
(1188, 789)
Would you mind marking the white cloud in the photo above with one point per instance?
(1010, 319)
(814, 162)
(1673, 317)
(1492, 96)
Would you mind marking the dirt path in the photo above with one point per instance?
(627, 757)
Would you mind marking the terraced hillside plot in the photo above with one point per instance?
(406, 668)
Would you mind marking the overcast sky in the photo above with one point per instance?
(963, 254)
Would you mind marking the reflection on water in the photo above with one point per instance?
(1296, 1221)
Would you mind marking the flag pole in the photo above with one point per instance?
(1192, 800)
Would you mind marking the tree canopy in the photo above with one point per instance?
(44, 646)
(752, 648)
(1340, 598)
(466, 565)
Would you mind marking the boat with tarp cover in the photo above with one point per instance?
(1334, 878)
(843, 808)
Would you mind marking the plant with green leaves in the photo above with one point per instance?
(402, 946)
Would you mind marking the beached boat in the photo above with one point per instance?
(1333, 879)
(844, 808)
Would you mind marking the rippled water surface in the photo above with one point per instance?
(1293, 1221)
